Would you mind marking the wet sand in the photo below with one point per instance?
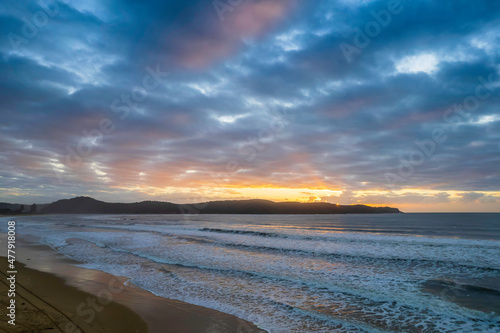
(44, 303)
(53, 295)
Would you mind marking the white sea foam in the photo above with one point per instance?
(286, 279)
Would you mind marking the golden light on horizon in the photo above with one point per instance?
(413, 199)
(233, 192)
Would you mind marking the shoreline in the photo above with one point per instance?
(122, 306)
(45, 303)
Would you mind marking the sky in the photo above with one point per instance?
(374, 102)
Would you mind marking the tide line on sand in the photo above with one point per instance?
(54, 295)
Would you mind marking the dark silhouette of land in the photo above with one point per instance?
(16, 209)
(87, 205)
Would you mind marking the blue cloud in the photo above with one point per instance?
(348, 123)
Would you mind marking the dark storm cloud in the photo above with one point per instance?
(268, 86)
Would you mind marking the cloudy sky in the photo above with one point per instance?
(376, 102)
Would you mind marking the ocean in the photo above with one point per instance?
(300, 273)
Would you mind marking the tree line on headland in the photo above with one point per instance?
(16, 209)
(87, 205)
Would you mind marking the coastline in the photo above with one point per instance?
(97, 301)
(45, 303)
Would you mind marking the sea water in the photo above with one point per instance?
(301, 273)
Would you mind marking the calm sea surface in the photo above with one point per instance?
(301, 273)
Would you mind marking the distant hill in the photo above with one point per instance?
(14, 209)
(9, 209)
(4, 205)
(87, 205)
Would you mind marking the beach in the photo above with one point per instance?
(53, 295)
(44, 302)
